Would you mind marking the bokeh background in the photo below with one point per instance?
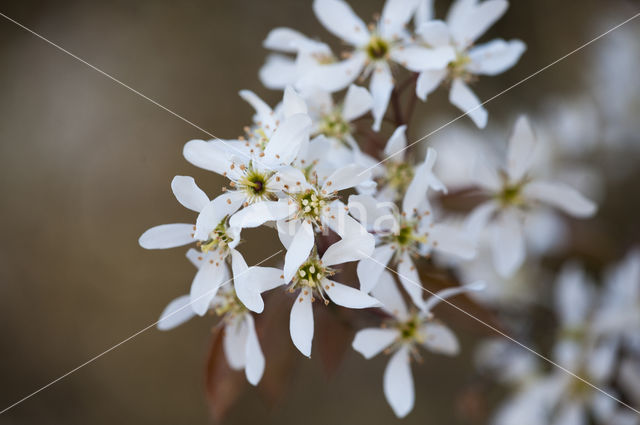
(85, 168)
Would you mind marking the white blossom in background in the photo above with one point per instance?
(467, 20)
(375, 50)
(515, 192)
(401, 337)
(240, 340)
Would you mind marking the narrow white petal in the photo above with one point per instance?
(234, 343)
(247, 290)
(301, 323)
(521, 148)
(396, 143)
(478, 219)
(507, 243)
(476, 20)
(176, 313)
(259, 213)
(424, 12)
(395, 15)
(346, 177)
(572, 413)
(286, 141)
(495, 57)
(398, 383)
(351, 248)
(387, 292)
(381, 86)
(442, 295)
(370, 269)
(293, 103)
(435, 33)
(464, 99)
(561, 196)
(264, 113)
(215, 211)
(167, 236)
(418, 58)
(452, 241)
(278, 72)
(440, 339)
(423, 179)
(410, 280)
(338, 17)
(347, 296)
(207, 155)
(299, 250)
(335, 76)
(283, 39)
(205, 285)
(572, 295)
(188, 193)
(374, 215)
(266, 278)
(357, 102)
(370, 342)
(254, 363)
(428, 81)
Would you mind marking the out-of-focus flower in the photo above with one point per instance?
(402, 335)
(515, 193)
(466, 22)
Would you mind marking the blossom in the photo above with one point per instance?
(466, 22)
(402, 335)
(211, 234)
(240, 340)
(311, 281)
(516, 193)
(375, 49)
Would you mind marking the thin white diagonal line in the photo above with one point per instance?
(493, 328)
(146, 328)
(128, 87)
(504, 91)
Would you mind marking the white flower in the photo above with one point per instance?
(311, 281)
(240, 344)
(516, 194)
(307, 208)
(402, 335)
(466, 22)
(374, 50)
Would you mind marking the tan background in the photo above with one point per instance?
(85, 167)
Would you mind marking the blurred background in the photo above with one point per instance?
(85, 168)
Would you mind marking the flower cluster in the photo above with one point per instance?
(317, 171)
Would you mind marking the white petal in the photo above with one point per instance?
(572, 413)
(207, 155)
(370, 342)
(495, 57)
(560, 196)
(335, 76)
(176, 313)
(254, 367)
(266, 278)
(442, 295)
(507, 243)
(478, 219)
(428, 81)
(370, 269)
(277, 72)
(435, 33)
(234, 343)
(357, 102)
(410, 280)
(247, 289)
(521, 148)
(381, 86)
(464, 99)
(205, 285)
(347, 296)
(387, 292)
(283, 39)
(440, 339)
(475, 20)
(395, 15)
(188, 193)
(572, 295)
(416, 193)
(452, 241)
(299, 250)
(424, 12)
(264, 113)
(215, 211)
(346, 177)
(396, 144)
(167, 236)
(338, 17)
(286, 141)
(293, 103)
(259, 213)
(301, 323)
(374, 215)
(351, 248)
(398, 383)
(418, 58)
